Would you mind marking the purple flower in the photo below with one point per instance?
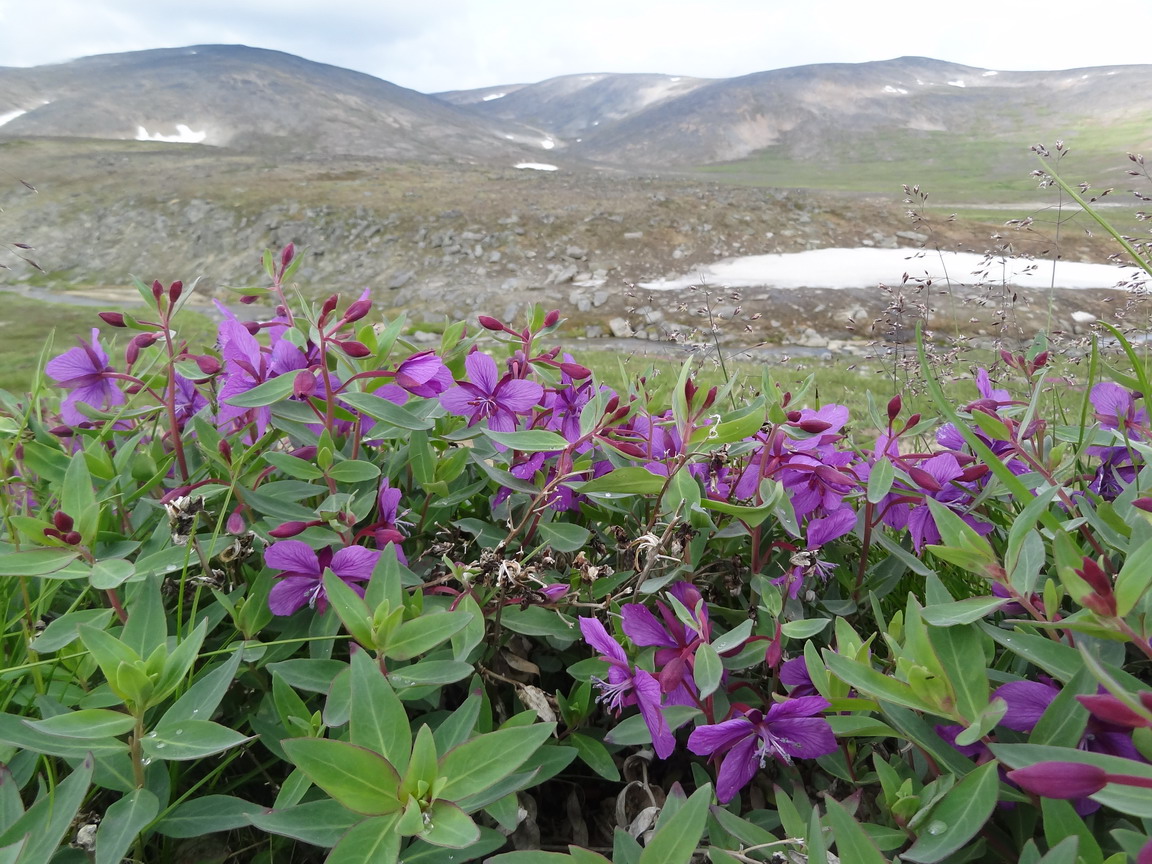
(1060, 779)
(789, 730)
(424, 374)
(676, 643)
(1116, 408)
(302, 582)
(627, 686)
(485, 397)
(84, 371)
(246, 366)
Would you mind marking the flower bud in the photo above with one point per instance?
(235, 524)
(575, 371)
(287, 529)
(174, 291)
(1144, 504)
(1106, 707)
(489, 323)
(814, 425)
(328, 307)
(304, 384)
(1060, 779)
(53, 533)
(793, 416)
(208, 364)
(307, 453)
(551, 318)
(286, 256)
(225, 450)
(353, 348)
(358, 310)
(113, 319)
(62, 521)
(1094, 575)
(894, 406)
(1041, 360)
(973, 472)
(72, 538)
(249, 299)
(924, 480)
(62, 431)
(614, 403)
(157, 289)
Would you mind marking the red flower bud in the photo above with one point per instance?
(235, 523)
(307, 453)
(358, 310)
(304, 384)
(286, 256)
(1108, 708)
(226, 451)
(253, 327)
(575, 371)
(551, 318)
(1008, 359)
(613, 404)
(973, 472)
(208, 364)
(72, 538)
(813, 425)
(174, 291)
(924, 480)
(157, 289)
(329, 305)
(249, 299)
(1144, 504)
(62, 521)
(894, 406)
(288, 529)
(1060, 779)
(1041, 360)
(793, 416)
(709, 399)
(353, 348)
(113, 319)
(489, 323)
(1094, 575)
(62, 431)
(53, 533)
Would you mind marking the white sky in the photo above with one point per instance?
(432, 45)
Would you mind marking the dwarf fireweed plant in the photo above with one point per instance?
(325, 596)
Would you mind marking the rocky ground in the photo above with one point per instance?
(451, 240)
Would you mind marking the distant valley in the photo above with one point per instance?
(177, 163)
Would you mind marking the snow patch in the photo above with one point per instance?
(492, 96)
(537, 166)
(184, 135)
(510, 137)
(1113, 72)
(959, 82)
(888, 88)
(547, 143)
(10, 116)
(989, 73)
(1083, 317)
(1084, 77)
(674, 78)
(867, 268)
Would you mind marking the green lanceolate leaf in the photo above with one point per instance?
(378, 720)
(852, 843)
(86, 723)
(363, 781)
(448, 825)
(190, 739)
(372, 841)
(420, 635)
(675, 840)
(957, 817)
(479, 763)
(122, 822)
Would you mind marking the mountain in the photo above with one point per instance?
(247, 99)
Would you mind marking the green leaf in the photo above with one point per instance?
(15, 733)
(734, 638)
(448, 825)
(190, 739)
(880, 480)
(147, 627)
(564, 536)
(272, 390)
(122, 822)
(373, 841)
(538, 621)
(86, 723)
(313, 675)
(61, 632)
(420, 635)
(633, 730)
(378, 720)
(630, 480)
(872, 683)
(676, 839)
(958, 649)
(1061, 822)
(957, 817)
(36, 562)
(293, 466)
(202, 699)
(419, 852)
(320, 823)
(479, 763)
(353, 471)
(804, 628)
(708, 670)
(595, 755)
(350, 608)
(179, 662)
(390, 413)
(852, 843)
(1134, 578)
(46, 821)
(428, 672)
(962, 611)
(207, 815)
(530, 440)
(111, 573)
(363, 781)
(1063, 722)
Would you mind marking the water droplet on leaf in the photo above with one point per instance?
(937, 827)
